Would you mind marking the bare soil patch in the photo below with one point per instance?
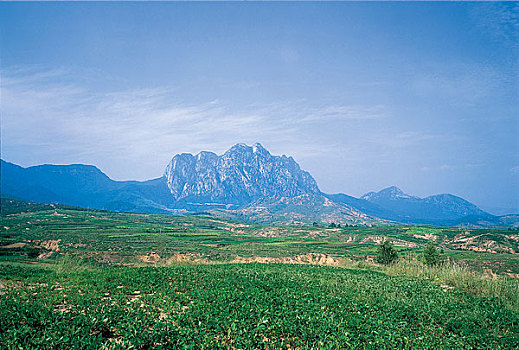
(304, 259)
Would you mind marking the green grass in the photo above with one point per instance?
(245, 306)
(451, 274)
(124, 236)
(90, 288)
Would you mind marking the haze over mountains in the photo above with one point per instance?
(246, 183)
(393, 204)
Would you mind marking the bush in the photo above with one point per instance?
(70, 264)
(386, 253)
(430, 255)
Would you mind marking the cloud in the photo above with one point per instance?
(50, 117)
(452, 167)
(461, 84)
(344, 113)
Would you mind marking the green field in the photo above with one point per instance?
(245, 306)
(74, 278)
(123, 238)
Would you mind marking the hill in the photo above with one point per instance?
(443, 209)
(81, 278)
(246, 182)
(300, 210)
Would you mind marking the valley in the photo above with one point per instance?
(243, 250)
(72, 277)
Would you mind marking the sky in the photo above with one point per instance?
(364, 95)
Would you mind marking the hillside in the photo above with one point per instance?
(300, 210)
(127, 238)
(79, 278)
(245, 182)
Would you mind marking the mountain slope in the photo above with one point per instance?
(82, 185)
(303, 209)
(393, 204)
(362, 205)
(239, 176)
(73, 184)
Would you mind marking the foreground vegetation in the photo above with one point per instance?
(47, 231)
(244, 306)
(74, 278)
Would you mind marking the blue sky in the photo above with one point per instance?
(363, 95)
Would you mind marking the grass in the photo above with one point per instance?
(68, 264)
(269, 306)
(73, 278)
(123, 236)
(452, 274)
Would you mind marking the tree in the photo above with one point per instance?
(430, 255)
(386, 253)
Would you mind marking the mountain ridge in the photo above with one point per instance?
(438, 208)
(244, 179)
(240, 175)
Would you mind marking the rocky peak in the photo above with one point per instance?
(258, 148)
(392, 192)
(242, 174)
(206, 156)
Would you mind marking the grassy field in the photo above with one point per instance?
(31, 231)
(74, 278)
(243, 306)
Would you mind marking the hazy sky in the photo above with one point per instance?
(363, 95)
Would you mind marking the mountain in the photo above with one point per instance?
(393, 204)
(241, 175)
(191, 183)
(443, 209)
(390, 193)
(82, 185)
(362, 205)
(245, 182)
(302, 209)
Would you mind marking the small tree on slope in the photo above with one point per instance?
(430, 255)
(386, 253)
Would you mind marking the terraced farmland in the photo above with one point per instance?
(45, 231)
(92, 279)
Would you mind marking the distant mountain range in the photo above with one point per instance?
(393, 204)
(246, 183)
